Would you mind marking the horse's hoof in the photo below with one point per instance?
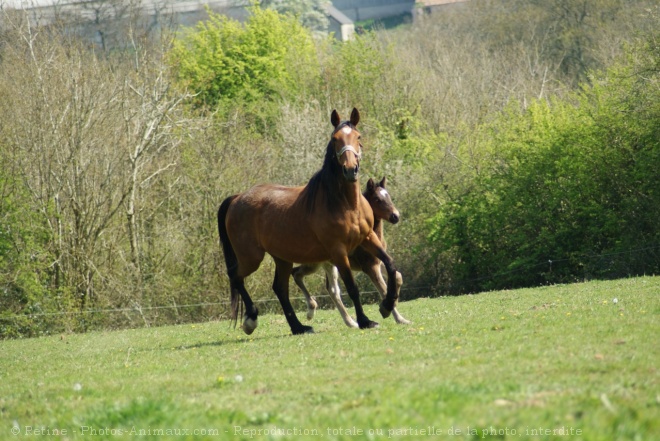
(303, 330)
(384, 311)
(250, 325)
(368, 325)
(402, 321)
(248, 330)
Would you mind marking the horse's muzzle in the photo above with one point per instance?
(394, 218)
(351, 174)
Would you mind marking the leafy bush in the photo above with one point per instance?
(24, 260)
(571, 192)
(270, 57)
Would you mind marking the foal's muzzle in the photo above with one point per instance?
(394, 217)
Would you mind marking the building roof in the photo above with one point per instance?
(173, 5)
(427, 3)
(339, 16)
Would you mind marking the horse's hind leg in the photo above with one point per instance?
(281, 288)
(299, 274)
(376, 277)
(332, 286)
(250, 318)
(249, 259)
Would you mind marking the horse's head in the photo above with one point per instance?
(346, 142)
(381, 202)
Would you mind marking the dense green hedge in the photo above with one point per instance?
(572, 190)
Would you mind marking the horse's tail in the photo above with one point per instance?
(230, 255)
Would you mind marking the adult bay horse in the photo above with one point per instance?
(325, 220)
(384, 210)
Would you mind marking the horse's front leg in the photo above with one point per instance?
(343, 266)
(376, 277)
(373, 246)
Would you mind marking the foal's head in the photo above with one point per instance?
(380, 201)
(346, 143)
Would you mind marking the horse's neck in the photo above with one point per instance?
(352, 194)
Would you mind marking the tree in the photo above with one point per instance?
(91, 135)
(271, 57)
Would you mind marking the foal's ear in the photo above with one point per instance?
(371, 185)
(335, 119)
(355, 117)
(383, 182)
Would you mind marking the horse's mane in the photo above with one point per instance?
(327, 179)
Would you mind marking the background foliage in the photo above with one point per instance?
(520, 141)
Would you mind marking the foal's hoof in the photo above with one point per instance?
(351, 323)
(311, 308)
(368, 324)
(384, 311)
(303, 330)
(402, 321)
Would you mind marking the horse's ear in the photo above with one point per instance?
(335, 119)
(371, 185)
(355, 117)
(383, 182)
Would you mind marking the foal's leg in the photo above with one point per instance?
(343, 265)
(281, 288)
(376, 277)
(332, 285)
(299, 274)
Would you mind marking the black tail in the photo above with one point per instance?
(230, 256)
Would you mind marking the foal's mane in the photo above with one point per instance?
(327, 179)
(378, 222)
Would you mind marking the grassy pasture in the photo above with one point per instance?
(551, 363)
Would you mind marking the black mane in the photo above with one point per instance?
(328, 178)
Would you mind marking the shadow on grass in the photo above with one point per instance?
(242, 339)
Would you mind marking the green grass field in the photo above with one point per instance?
(552, 363)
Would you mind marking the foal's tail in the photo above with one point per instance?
(230, 256)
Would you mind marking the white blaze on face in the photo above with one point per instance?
(383, 192)
(346, 130)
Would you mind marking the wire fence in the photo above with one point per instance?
(139, 308)
(601, 266)
(368, 296)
